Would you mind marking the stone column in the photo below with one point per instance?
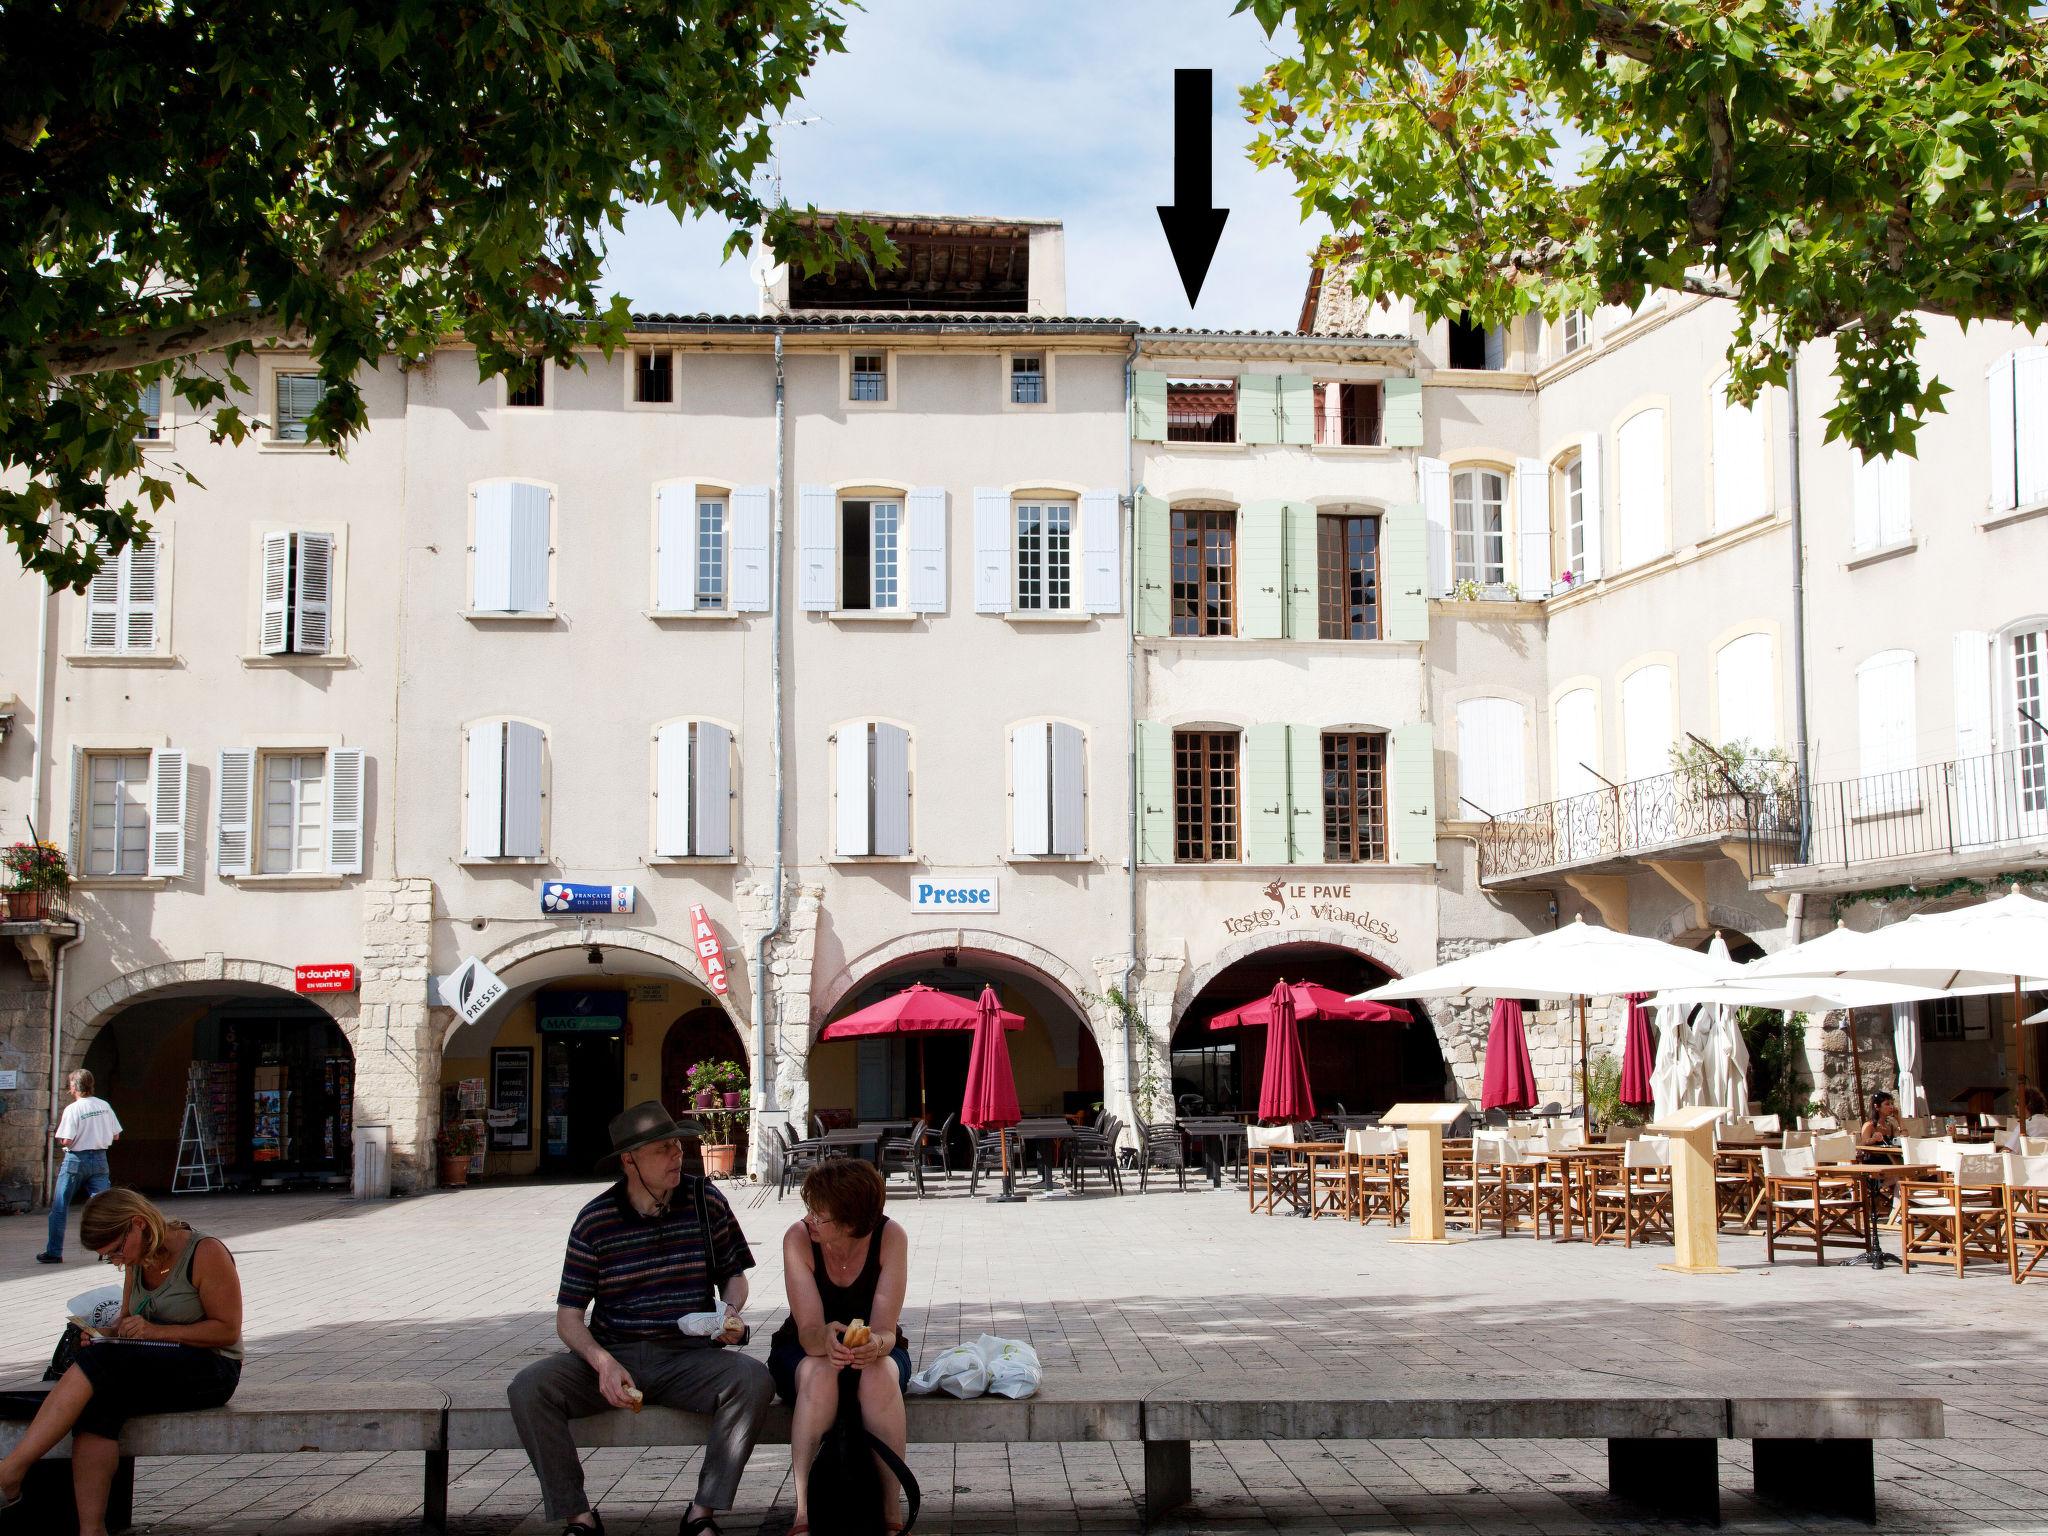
(1122, 1044)
(787, 1000)
(1157, 985)
(397, 1039)
(25, 1109)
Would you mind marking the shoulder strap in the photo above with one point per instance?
(913, 1496)
(710, 1234)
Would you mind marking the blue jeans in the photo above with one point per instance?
(80, 1172)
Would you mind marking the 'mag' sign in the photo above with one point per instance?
(953, 896)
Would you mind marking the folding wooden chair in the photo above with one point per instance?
(1273, 1172)
(1473, 1178)
(1381, 1175)
(1958, 1218)
(1637, 1203)
(1530, 1186)
(1800, 1204)
(2026, 1212)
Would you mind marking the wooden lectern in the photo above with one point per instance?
(1426, 1124)
(1695, 1213)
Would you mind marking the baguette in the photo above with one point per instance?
(639, 1398)
(857, 1334)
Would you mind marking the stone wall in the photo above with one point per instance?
(1553, 1034)
(24, 1051)
(1835, 1085)
(397, 1040)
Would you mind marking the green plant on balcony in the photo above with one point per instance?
(1733, 767)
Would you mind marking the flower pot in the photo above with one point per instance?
(732, 1100)
(455, 1172)
(718, 1160)
(28, 906)
(707, 1098)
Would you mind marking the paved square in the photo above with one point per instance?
(460, 1286)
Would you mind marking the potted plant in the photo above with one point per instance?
(715, 1083)
(39, 871)
(721, 1143)
(454, 1146)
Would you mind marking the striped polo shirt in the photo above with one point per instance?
(646, 1272)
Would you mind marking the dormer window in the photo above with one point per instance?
(870, 380)
(1027, 378)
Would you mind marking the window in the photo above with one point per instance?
(1575, 722)
(711, 553)
(152, 412)
(1941, 1018)
(513, 543)
(117, 799)
(1575, 331)
(1571, 494)
(294, 813)
(871, 776)
(1491, 773)
(1742, 435)
(1354, 797)
(870, 376)
(1347, 576)
(528, 387)
(871, 556)
(692, 553)
(122, 599)
(298, 594)
(1204, 796)
(1027, 378)
(1646, 716)
(1882, 495)
(1474, 346)
(1045, 556)
(1746, 690)
(1640, 446)
(297, 395)
(2029, 653)
(1048, 789)
(654, 378)
(1479, 538)
(1886, 730)
(1347, 415)
(693, 790)
(1201, 410)
(506, 790)
(2018, 422)
(1204, 547)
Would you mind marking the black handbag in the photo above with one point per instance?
(845, 1490)
(69, 1342)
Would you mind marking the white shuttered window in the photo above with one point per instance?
(1646, 722)
(1741, 452)
(122, 600)
(116, 809)
(1492, 778)
(505, 791)
(693, 790)
(298, 594)
(1882, 496)
(871, 778)
(1640, 497)
(1886, 732)
(2017, 445)
(1047, 788)
(1745, 690)
(1576, 721)
(513, 544)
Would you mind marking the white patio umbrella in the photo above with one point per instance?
(1906, 1046)
(1726, 1055)
(1575, 961)
(1671, 1078)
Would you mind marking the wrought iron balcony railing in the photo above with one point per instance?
(1641, 816)
(1957, 807)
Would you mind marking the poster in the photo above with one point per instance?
(511, 1113)
(266, 1135)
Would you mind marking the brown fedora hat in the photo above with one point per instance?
(640, 1125)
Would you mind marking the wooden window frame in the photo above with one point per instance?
(1196, 623)
(1207, 827)
(1334, 605)
(1479, 534)
(1330, 427)
(1362, 755)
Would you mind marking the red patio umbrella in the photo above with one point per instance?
(1510, 1075)
(1311, 1000)
(991, 1100)
(1638, 1055)
(1284, 1092)
(916, 1010)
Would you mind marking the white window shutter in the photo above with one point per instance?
(747, 540)
(1069, 789)
(2001, 448)
(991, 550)
(235, 819)
(925, 508)
(103, 605)
(277, 593)
(140, 572)
(851, 780)
(484, 820)
(1640, 448)
(1895, 483)
(892, 789)
(1575, 722)
(1031, 788)
(2030, 425)
(711, 792)
(523, 752)
(1739, 451)
(167, 813)
(1590, 496)
(1435, 476)
(1646, 722)
(1867, 498)
(817, 587)
(675, 549)
(1102, 552)
(1746, 696)
(1972, 660)
(530, 535)
(315, 596)
(1491, 770)
(491, 554)
(672, 790)
(1532, 527)
(345, 811)
(1885, 720)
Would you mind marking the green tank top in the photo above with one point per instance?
(176, 1301)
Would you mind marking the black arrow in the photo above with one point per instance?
(1192, 225)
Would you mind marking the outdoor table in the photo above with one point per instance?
(1214, 1132)
(1751, 1159)
(1865, 1174)
(862, 1141)
(1049, 1131)
(1291, 1170)
(1575, 1165)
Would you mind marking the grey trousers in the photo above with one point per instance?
(733, 1388)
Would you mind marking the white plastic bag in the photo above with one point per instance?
(100, 1307)
(704, 1325)
(1013, 1369)
(959, 1372)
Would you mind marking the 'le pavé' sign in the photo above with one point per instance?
(1293, 900)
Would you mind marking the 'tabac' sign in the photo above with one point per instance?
(710, 952)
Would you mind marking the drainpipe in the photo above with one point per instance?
(764, 1074)
(1798, 619)
(56, 1042)
(1131, 489)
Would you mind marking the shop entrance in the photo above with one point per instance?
(584, 1080)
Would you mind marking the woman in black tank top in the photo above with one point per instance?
(843, 1261)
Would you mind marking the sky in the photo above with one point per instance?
(1060, 109)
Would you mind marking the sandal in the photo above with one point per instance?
(703, 1525)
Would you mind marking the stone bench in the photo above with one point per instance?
(1812, 1450)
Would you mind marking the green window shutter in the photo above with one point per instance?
(1258, 408)
(1148, 407)
(1305, 793)
(1297, 408)
(1261, 568)
(1155, 793)
(1411, 765)
(1404, 567)
(1153, 566)
(1304, 579)
(1265, 794)
(1401, 413)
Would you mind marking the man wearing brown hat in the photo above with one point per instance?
(647, 1252)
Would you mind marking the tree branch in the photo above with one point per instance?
(1709, 205)
(93, 352)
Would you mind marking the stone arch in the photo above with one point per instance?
(1678, 926)
(84, 1018)
(680, 956)
(1193, 982)
(1050, 967)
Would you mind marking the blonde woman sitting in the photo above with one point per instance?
(181, 1289)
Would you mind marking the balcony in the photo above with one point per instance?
(1969, 816)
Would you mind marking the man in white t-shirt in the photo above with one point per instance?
(88, 1127)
